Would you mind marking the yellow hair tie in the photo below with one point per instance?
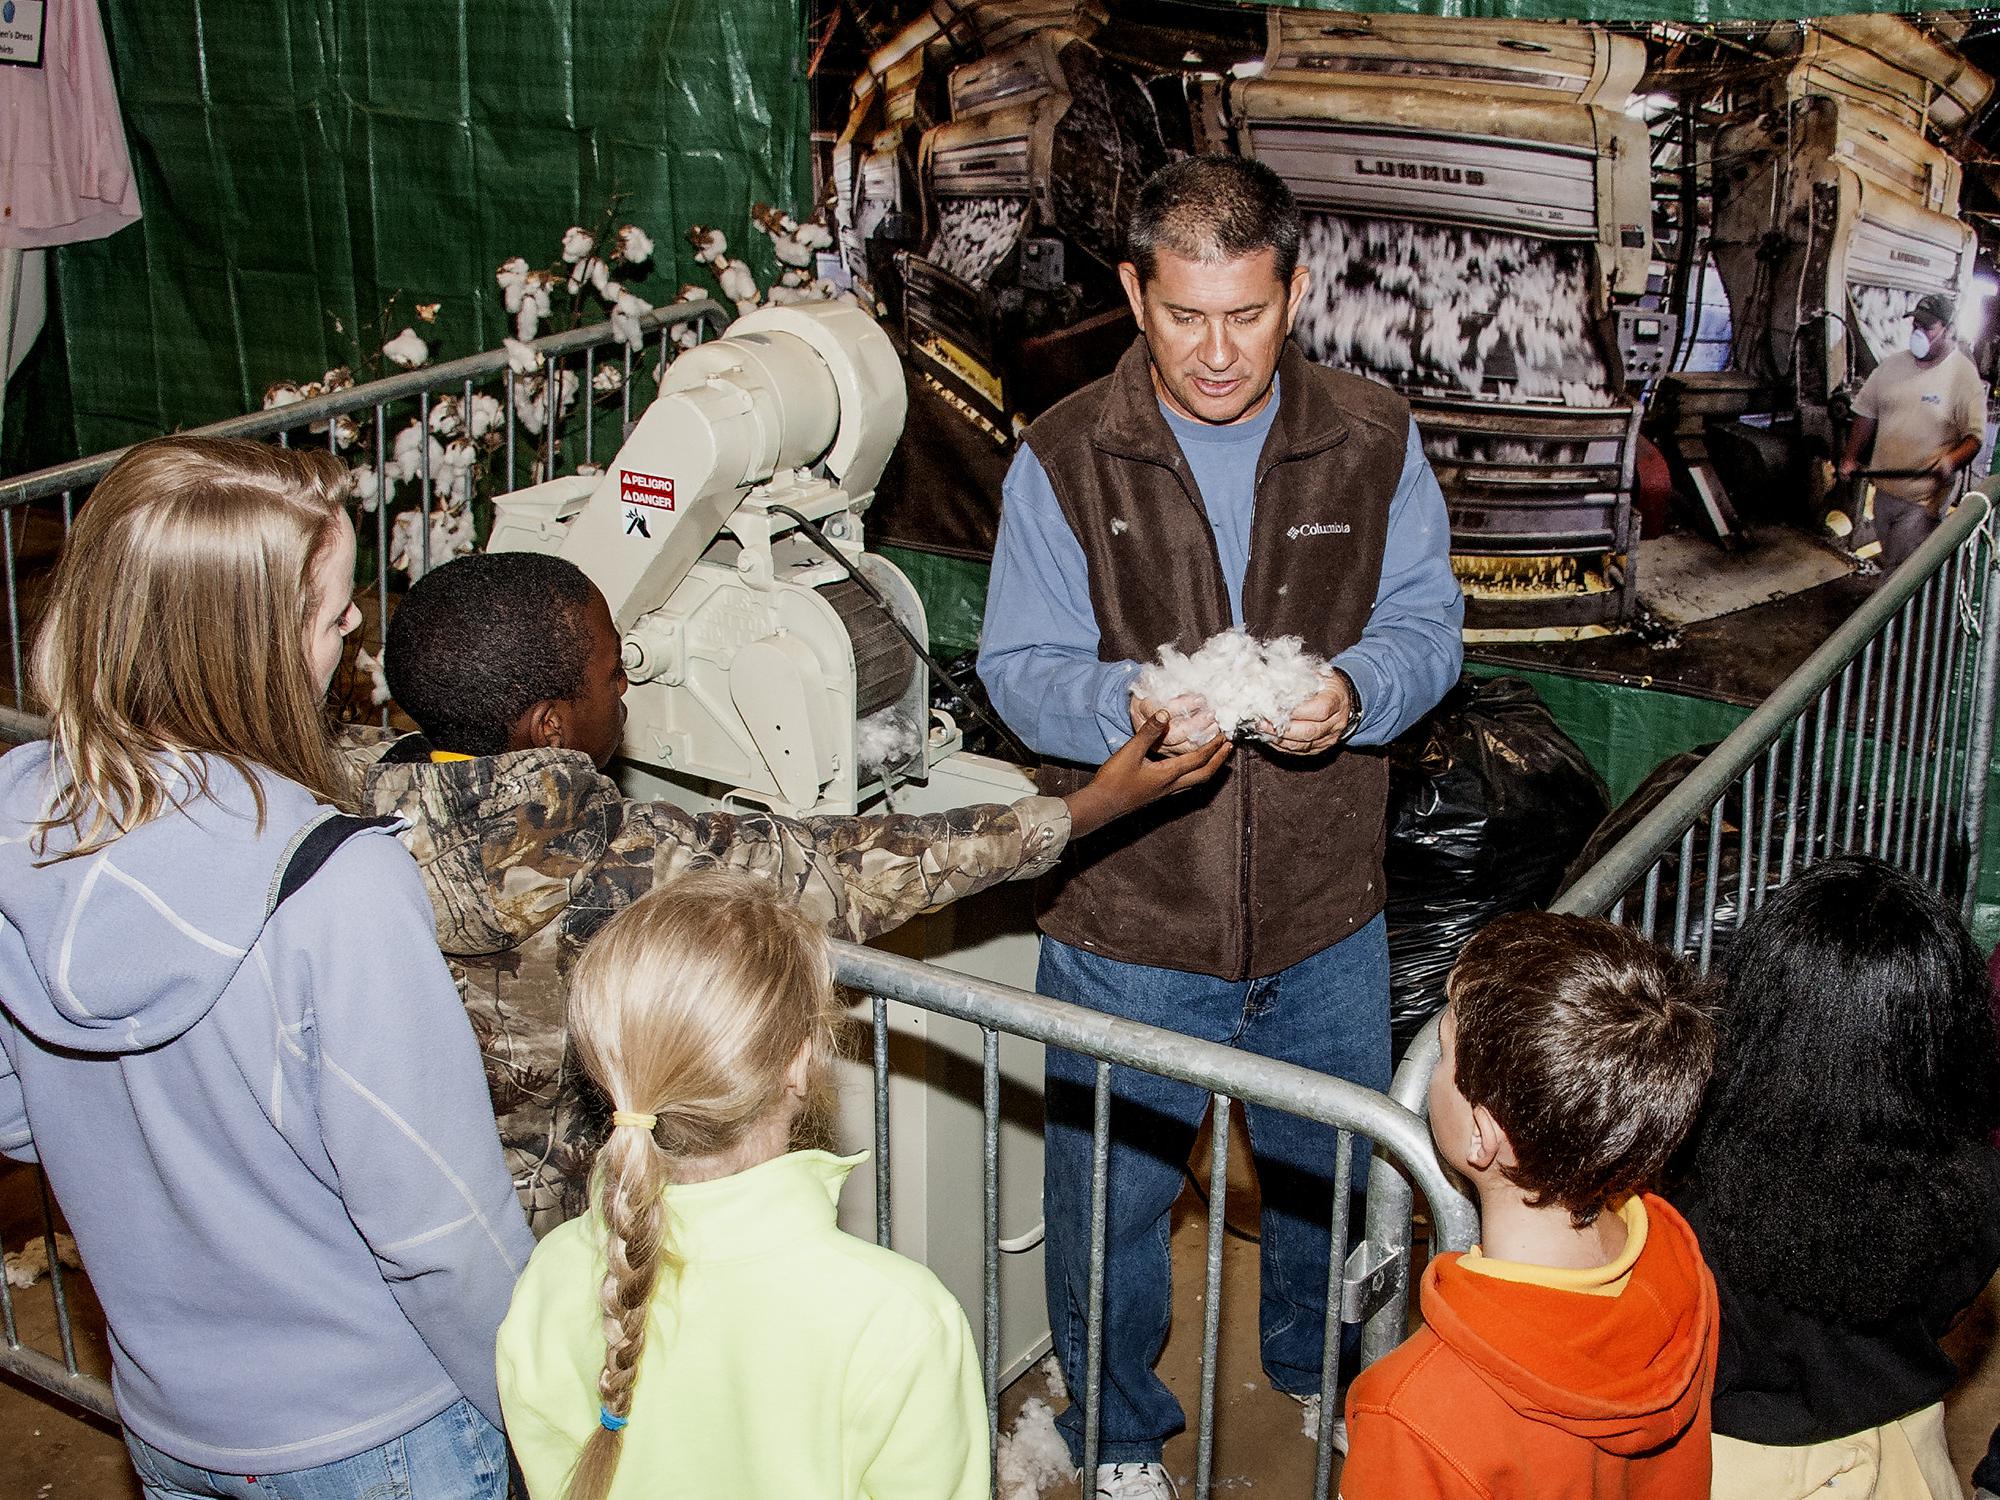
(631, 1117)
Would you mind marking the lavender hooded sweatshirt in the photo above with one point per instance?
(266, 1124)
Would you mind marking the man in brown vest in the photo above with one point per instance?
(1217, 477)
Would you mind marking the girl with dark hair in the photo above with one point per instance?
(1843, 1187)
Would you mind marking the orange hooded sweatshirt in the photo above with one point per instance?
(1512, 1390)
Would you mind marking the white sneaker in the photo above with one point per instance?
(1135, 1482)
(1309, 1421)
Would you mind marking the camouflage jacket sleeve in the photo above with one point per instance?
(857, 876)
(362, 745)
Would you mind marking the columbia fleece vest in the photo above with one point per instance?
(1279, 856)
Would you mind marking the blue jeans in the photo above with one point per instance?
(1330, 1013)
(456, 1455)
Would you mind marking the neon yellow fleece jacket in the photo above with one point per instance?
(786, 1360)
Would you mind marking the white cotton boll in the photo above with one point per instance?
(885, 738)
(738, 285)
(590, 269)
(577, 243)
(1240, 678)
(450, 535)
(520, 358)
(1032, 1457)
(410, 452)
(406, 349)
(371, 664)
(813, 235)
(685, 336)
(533, 304)
(486, 411)
(512, 276)
(634, 245)
(709, 244)
(528, 405)
(444, 417)
(790, 251)
(284, 393)
(606, 381)
(452, 479)
(370, 487)
(625, 316)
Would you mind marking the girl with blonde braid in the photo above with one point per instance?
(706, 1330)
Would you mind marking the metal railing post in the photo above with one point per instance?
(1979, 753)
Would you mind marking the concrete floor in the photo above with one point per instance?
(48, 1452)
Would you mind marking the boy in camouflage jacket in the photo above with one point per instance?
(509, 663)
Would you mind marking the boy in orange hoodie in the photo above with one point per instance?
(1571, 1354)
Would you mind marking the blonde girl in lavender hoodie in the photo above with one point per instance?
(225, 1029)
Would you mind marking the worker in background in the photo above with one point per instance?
(1217, 477)
(1923, 408)
(510, 666)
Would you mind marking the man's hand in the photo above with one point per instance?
(1190, 724)
(1317, 724)
(1944, 463)
(1135, 776)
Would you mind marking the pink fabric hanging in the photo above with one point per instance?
(64, 172)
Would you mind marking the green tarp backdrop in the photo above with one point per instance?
(301, 162)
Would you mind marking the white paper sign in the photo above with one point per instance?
(21, 32)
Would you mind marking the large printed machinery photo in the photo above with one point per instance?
(1478, 228)
(1834, 212)
(1026, 190)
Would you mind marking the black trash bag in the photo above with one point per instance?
(1767, 855)
(1660, 781)
(1488, 802)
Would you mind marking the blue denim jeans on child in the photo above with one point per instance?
(456, 1455)
(1330, 1013)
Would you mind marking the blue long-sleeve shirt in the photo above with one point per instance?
(1038, 647)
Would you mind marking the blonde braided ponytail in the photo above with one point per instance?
(688, 1009)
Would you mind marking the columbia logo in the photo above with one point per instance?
(1317, 528)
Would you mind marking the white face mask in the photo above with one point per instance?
(1920, 343)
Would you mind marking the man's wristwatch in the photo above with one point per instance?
(1353, 706)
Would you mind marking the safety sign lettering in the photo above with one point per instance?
(654, 490)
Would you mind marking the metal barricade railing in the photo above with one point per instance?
(1881, 742)
(403, 397)
(1360, 1282)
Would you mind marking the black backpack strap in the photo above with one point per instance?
(315, 846)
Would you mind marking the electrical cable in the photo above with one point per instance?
(820, 540)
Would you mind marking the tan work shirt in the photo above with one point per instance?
(1919, 409)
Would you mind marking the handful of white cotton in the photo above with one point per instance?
(1239, 677)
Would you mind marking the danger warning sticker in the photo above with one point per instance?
(655, 490)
